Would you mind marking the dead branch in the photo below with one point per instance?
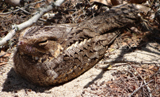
(32, 20)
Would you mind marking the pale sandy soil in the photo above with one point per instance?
(11, 85)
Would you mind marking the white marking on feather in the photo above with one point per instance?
(76, 45)
(58, 51)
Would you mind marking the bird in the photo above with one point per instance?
(55, 54)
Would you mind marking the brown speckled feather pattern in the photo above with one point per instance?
(52, 55)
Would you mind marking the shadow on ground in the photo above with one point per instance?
(152, 37)
(14, 83)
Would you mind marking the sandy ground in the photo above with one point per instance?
(11, 85)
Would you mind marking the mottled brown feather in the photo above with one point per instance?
(52, 55)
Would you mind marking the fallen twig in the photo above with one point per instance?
(143, 81)
(139, 88)
(29, 22)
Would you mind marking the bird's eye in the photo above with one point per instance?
(44, 41)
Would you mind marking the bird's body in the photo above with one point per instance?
(52, 55)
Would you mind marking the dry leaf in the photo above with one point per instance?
(109, 82)
(106, 2)
(7, 55)
(3, 63)
(13, 2)
(136, 1)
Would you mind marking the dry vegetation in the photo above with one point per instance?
(139, 80)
